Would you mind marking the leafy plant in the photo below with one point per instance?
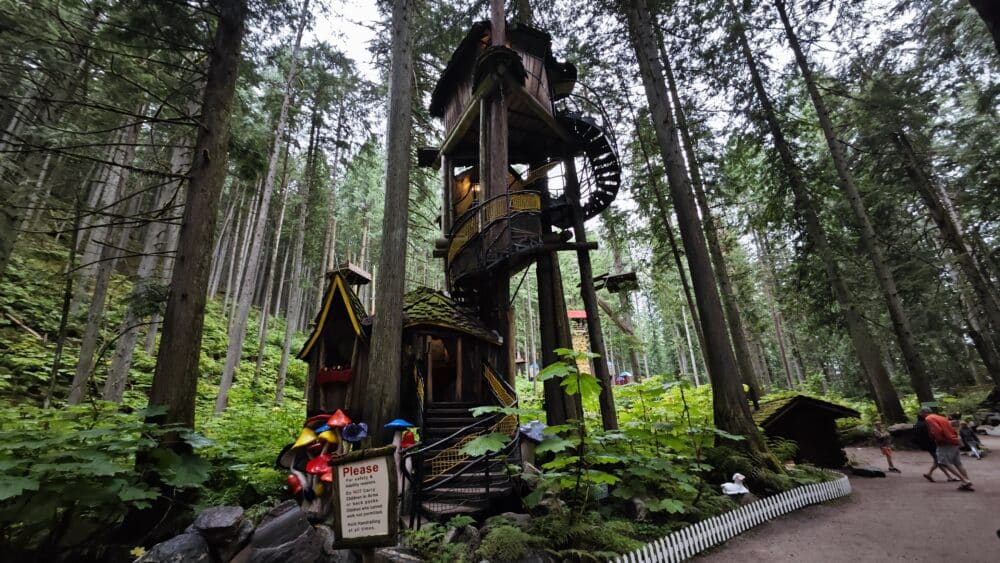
(68, 475)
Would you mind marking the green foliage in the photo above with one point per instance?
(507, 543)
(428, 541)
(68, 475)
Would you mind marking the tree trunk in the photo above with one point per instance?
(154, 248)
(66, 298)
(623, 302)
(175, 380)
(95, 314)
(295, 305)
(865, 345)
(122, 153)
(664, 210)
(730, 409)
(609, 417)
(950, 229)
(237, 332)
(265, 308)
(730, 305)
(770, 289)
(690, 348)
(384, 368)
(900, 321)
(221, 249)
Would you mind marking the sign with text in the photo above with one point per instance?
(366, 497)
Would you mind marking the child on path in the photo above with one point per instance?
(884, 440)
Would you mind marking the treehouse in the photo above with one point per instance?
(521, 162)
(811, 423)
(337, 348)
(518, 159)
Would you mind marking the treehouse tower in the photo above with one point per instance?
(522, 166)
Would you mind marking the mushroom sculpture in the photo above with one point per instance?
(401, 429)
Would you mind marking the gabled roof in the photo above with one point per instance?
(425, 307)
(771, 411)
(337, 290)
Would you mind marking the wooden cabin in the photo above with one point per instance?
(337, 348)
(809, 422)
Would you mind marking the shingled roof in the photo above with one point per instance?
(771, 411)
(337, 290)
(425, 307)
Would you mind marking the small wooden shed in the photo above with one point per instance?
(809, 422)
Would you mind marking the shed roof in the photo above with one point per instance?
(337, 289)
(425, 307)
(770, 412)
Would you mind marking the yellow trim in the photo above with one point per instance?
(336, 282)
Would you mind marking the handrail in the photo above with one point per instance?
(474, 221)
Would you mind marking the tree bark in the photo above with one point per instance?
(384, 368)
(900, 320)
(865, 345)
(730, 305)
(728, 400)
(176, 377)
(237, 332)
(664, 210)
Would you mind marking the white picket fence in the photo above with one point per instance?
(692, 540)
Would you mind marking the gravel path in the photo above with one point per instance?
(899, 518)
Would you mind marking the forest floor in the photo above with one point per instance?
(899, 518)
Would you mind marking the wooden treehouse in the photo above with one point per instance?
(522, 167)
(520, 164)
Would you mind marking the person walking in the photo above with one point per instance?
(922, 438)
(884, 440)
(947, 442)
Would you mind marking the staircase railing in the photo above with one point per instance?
(447, 461)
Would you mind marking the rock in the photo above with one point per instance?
(396, 555)
(640, 513)
(185, 548)
(283, 535)
(282, 524)
(522, 521)
(306, 548)
(219, 522)
(466, 534)
(227, 550)
(867, 472)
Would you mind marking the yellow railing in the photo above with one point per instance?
(506, 399)
(488, 212)
(452, 456)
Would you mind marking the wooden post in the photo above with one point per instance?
(609, 417)
(493, 147)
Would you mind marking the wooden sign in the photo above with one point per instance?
(365, 499)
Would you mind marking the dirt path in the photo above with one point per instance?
(899, 518)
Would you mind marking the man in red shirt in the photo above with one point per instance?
(947, 442)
